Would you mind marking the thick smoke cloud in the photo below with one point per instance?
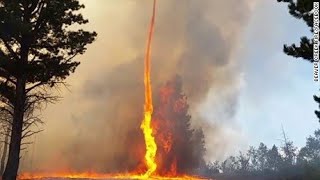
(96, 126)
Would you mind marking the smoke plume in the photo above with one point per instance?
(97, 125)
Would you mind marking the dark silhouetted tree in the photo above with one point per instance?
(317, 99)
(274, 159)
(309, 157)
(311, 152)
(262, 152)
(301, 9)
(37, 49)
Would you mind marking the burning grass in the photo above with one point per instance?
(95, 176)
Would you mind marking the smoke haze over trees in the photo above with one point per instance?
(275, 163)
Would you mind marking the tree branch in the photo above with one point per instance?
(9, 48)
(34, 86)
(30, 133)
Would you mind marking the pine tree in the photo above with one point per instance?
(244, 165)
(230, 165)
(317, 99)
(311, 152)
(274, 159)
(262, 156)
(37, 50)
(181, 148)
(301, 9)
(253, 156)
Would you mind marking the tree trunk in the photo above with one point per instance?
(5, 151)
(12, 166)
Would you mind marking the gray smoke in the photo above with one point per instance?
(197, 40)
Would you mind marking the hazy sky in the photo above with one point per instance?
(261, 88)
(278, 89)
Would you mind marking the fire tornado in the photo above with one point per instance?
(154, 169)
(151, 146)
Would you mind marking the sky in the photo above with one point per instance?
(278, 89)
(255, 90)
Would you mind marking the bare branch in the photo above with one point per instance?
(32, 121)
(34, 86)
(43, 84)
(6, 121)
(30, 133)
(26, 143)
(5, 134)
(6, 142)
(5, 110)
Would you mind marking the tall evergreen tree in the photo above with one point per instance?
(311, 152)
(181, 148)
(230, 165)
(37, 50)
(253, 156)
(302, 9)
(274, 159)
(244, 165)
(262, 152)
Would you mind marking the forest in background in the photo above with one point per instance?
(277, 162)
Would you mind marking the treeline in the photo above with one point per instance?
(284, 162)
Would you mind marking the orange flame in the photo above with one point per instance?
(97, 176)
(148, 132)
(151, 146)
